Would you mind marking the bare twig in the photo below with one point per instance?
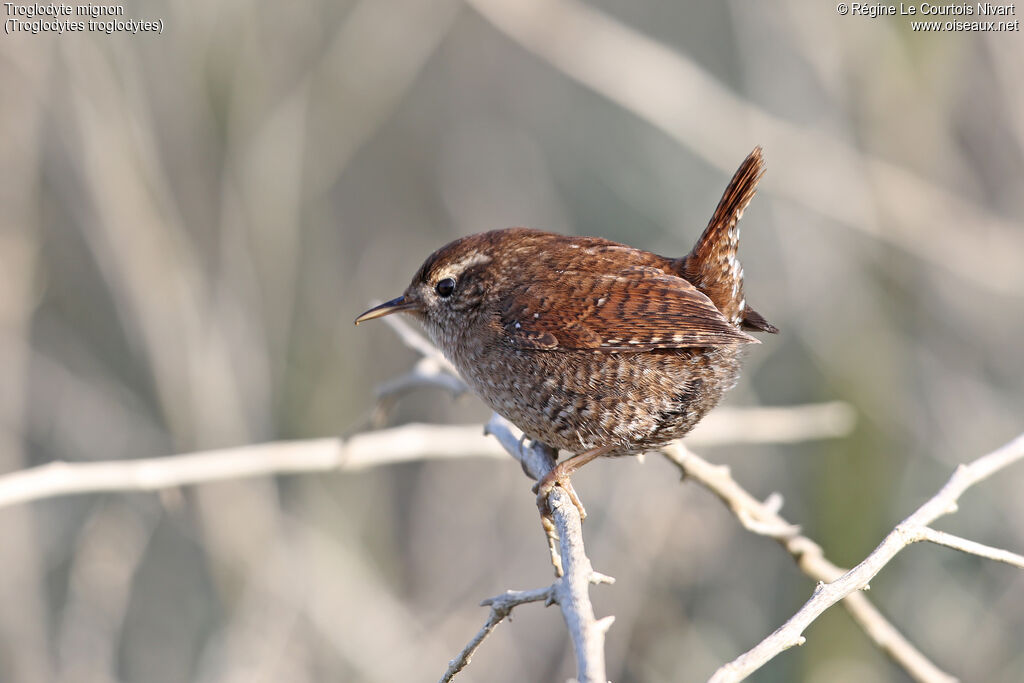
(826, 595)
(764, 519)
(399, 444)
(926, 533)
(571, 590)
(501, 606)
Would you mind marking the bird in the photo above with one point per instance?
(587, 345)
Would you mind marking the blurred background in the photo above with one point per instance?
(192, 220)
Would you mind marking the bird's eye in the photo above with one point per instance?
(445, 287)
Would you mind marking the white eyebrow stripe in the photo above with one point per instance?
(458, 267)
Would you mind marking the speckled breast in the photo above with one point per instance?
(577, 400)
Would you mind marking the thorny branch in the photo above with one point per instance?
(371, 449)
(764, 519)
(501, 606)
(914, 528)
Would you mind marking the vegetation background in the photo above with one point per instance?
(192, 220)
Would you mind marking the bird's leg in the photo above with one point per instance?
(559, 476)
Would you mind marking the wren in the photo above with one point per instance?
(587, 345)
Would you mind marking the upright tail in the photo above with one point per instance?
(712, 266)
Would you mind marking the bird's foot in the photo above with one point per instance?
(557, 477)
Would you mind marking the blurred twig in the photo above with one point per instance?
(426, 373)
(418, 343)
(914, 528)
(109, 552)
(360, 451)
(409, 442)
(432, 370)
(782, 424)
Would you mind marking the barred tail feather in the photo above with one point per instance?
(713, 266)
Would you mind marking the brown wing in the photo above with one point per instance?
(638, 309)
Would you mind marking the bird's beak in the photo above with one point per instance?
(387, 308)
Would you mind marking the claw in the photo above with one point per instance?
(544, 488)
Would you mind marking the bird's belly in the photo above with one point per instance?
(576, 400)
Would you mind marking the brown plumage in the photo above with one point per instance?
(589, 345)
